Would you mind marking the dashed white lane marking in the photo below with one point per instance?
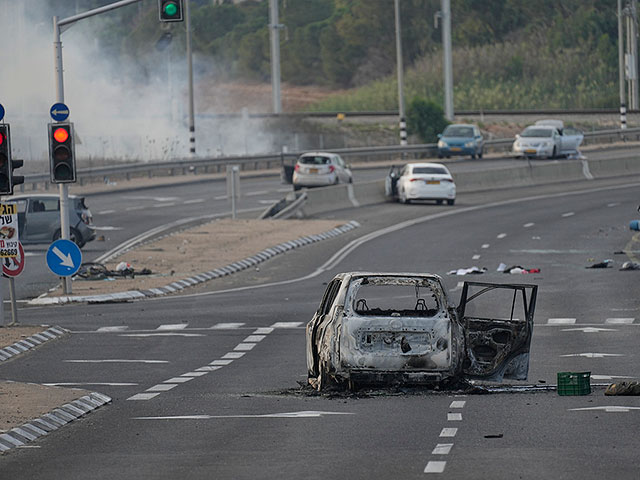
(448, 432)
(608, 409)
(116, 360)
(568, 214)
(458, 404)
(286, 324)
(143, 396)
(209, 368)
(178, 380)
(435, 467)
(613, 204)
(255, 338)
(476, 257)
(244, 347)
(226, 326)
(195, 200)
(454, 417)
(107, 228)
(193, 374)
(263, 331)
(108, 384)
(593, 355)
(172, 326)
(129, 209)
(442, 449)
(233, 355)
(106, 212)
(253, 194)
(609, 377)
(118, 328)
(561, 321)
(486, 245)
(619, 321)
(220, 363)
(501, 235)
(220, 197)
(162, 205)
(162, 387)
(528, 225)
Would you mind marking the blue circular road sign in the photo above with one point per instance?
(1, 112)
(59, 112)
(64, 258)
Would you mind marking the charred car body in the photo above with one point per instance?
(399, 328)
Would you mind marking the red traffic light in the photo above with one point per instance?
(61, 135)
(1, 138)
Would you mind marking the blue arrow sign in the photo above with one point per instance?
(64, 258)
(59, 112)
(1, 112)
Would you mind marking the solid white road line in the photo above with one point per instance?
(118, 328)
(108, 384)
(561, 321)
(593, 355)
(167, 334)
(116, 360)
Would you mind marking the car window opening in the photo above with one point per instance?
(395, 301)
(315, 160)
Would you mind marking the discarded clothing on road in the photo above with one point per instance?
(98, 271)
(623, 388)
(630, 266)
(516, 269)
(466, 271)
(603, 264)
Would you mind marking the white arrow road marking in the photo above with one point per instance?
(608, 409)
(117, 360)
(66, 259)
(589, 330)
(305, 414)
(594, 355)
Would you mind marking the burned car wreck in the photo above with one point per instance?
(388, 329)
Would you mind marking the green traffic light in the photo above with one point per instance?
(171, 9)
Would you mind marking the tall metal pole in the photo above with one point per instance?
(62, 187)
(623, 107)
(400, 68)
(447, 62)
(274, 27)
(633, 48)
(192, 123)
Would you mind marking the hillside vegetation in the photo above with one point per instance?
(509, 54)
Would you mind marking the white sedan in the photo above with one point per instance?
(546, 140)
(421, 181)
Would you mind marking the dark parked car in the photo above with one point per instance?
(399, 328)
(39, 219)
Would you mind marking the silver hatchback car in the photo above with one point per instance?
(39, 219)
(320, 169)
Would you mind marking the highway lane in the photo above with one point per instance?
(122, 215)
(215, 425)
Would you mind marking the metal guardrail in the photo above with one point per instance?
(271, 160)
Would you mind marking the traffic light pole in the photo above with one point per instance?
(58, 28)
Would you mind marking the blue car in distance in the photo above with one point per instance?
(460, 139)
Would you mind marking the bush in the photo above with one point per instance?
(425, 119)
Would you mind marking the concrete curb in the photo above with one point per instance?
(19, 436)
(243, 264)
(31, 342)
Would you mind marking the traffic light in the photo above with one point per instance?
(62, 155)
(5, 160)
(171, 10)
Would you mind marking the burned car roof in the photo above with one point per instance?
(401, 328)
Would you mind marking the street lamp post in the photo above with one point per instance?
(399, 67)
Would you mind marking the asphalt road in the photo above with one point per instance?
(206, 385)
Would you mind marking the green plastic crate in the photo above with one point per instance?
(574, 383)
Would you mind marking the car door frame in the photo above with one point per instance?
(316, 326)
(512, 361)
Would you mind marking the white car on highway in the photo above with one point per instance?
(421, 181)
(547, 139)
(320, 169)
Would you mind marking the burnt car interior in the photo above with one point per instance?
(413, 300)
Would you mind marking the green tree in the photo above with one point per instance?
(425, 119)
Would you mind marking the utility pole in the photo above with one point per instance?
(274, 28)
(447, 60)
(192, 123)
(399, 67)
(623, 106)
